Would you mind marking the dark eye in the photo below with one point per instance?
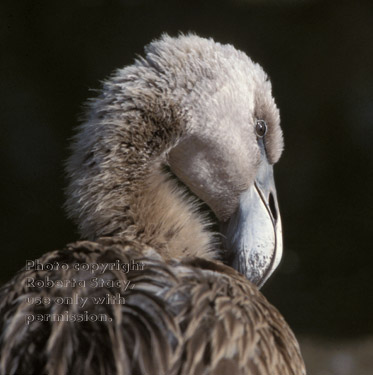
(261, 128)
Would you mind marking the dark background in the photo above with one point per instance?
(319, 56)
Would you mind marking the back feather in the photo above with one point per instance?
(179, 318)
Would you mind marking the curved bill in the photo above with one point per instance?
(253, 233)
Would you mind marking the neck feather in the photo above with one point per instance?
(166, 217)
(117, 184)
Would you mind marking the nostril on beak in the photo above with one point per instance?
(272, 206)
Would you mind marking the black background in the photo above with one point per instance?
(319, 56)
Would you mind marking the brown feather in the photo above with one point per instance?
(188, 313)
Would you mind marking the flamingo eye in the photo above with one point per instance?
(261, 128)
